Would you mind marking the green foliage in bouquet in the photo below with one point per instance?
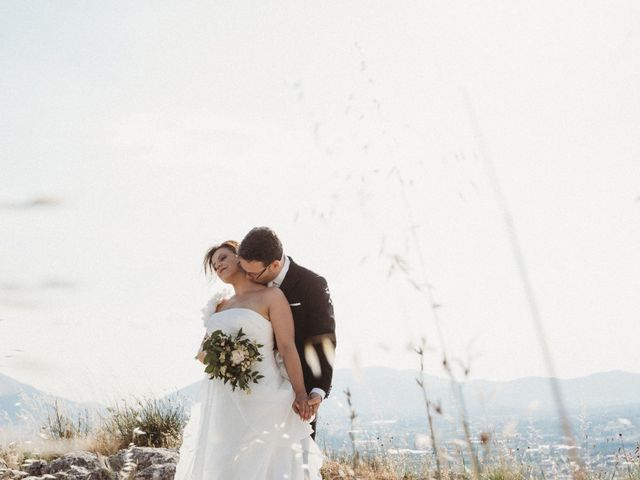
(231, 359)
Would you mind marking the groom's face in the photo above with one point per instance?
(259, 272)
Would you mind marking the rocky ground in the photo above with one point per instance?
(138, 463)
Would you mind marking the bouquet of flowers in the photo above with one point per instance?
(231, 358)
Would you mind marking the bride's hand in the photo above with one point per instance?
(200, 356)
(201, 353)
(301, 406)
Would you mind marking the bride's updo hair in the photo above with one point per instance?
(208, 257)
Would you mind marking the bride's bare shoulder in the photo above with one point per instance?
(274, 294)
(221, 304)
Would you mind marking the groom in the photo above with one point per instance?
(262, 257)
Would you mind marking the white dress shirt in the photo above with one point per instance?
(276, 282)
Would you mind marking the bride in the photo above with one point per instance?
(265, 434)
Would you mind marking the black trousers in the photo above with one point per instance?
(313, 425)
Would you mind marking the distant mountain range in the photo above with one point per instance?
(378, 390)
(381, 394)
(384, 393)
(26, 408)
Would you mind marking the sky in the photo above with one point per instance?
(135, 135)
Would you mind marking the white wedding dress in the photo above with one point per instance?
(239, 436)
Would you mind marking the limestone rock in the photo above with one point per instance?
(11, 474)
(77, 473)
(86, 460)
(146, 463)
(46, 476)
(102, 474)
(143, 457)
(157, 471)
(34, 467)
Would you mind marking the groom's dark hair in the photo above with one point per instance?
(261, 244)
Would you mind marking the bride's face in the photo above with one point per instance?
(225, 263)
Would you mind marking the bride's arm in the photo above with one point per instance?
(282, 323)
(208, 311)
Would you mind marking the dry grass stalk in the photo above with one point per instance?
(424, 288)
(427, 402)
(527, 286)
(60, 425)
(147, 423)
(367, 469)
(352, 431)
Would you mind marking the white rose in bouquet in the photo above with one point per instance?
(237, 357)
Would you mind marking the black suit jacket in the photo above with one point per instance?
(310, 301)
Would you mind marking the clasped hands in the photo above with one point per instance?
(306, 406)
